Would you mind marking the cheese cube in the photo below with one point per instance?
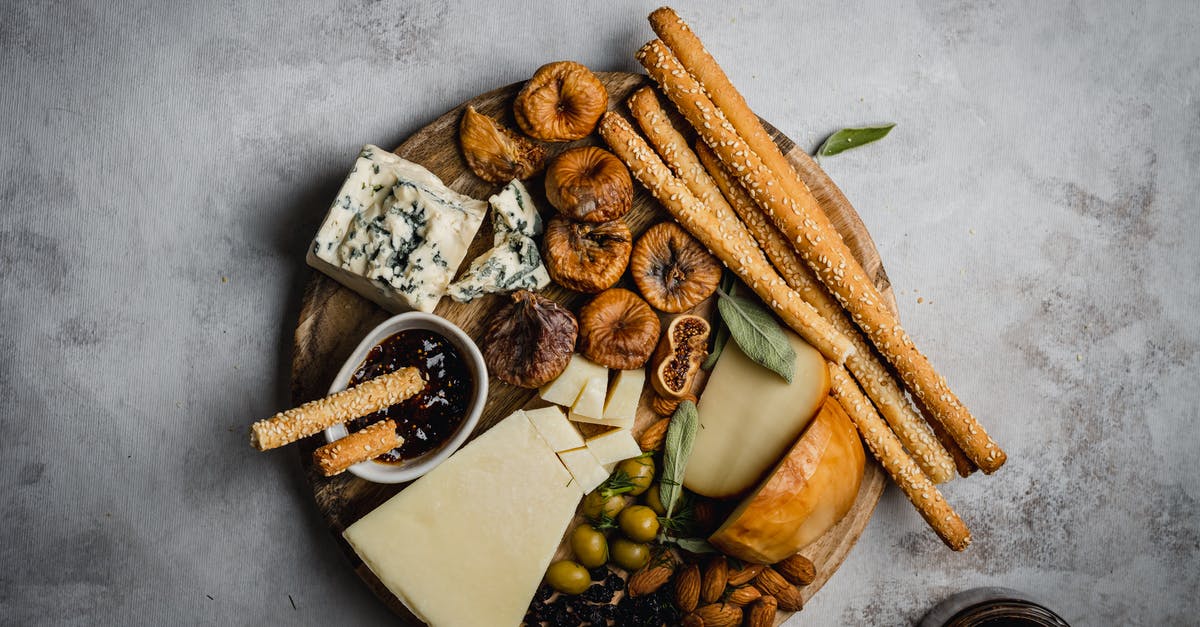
(486, 521)
(588, 472)
(590, 403)
(614, 446)
(554, 428)
(624, 394)
(623, 423)
(570, 383)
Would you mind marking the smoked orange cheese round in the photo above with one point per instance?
(749, 416)
(808, 492)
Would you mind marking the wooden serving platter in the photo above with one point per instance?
(334, 319)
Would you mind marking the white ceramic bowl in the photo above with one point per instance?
(414, 468)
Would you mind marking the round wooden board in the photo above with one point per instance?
(333, 319)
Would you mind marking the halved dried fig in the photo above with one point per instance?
(584, 256)
(589, 184)
(677, 359)
(529, 341)
(672, 269)
(617, 329)
(495, 153)
(561, 102)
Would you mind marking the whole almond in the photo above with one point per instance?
(789, 599)
(762, 613)
(743, 575)
(716, 574)
(687, 588)
(798, 570)
(653, 437)
(743, 595)
(648, 580)
(705, 513)
(692, 620)
(770, 582)
(720, 615)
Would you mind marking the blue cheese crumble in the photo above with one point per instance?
(513, 263)
(395, 233)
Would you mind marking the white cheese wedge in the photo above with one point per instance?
(589, 473)
(750, 417)
(552, 424)
(469, 543)
(613, 446)
(566, 388)
(395, 233)
(624, 394)
(626, 423)
(590, 403)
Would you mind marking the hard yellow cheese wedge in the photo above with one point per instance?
(749, 416)
(468, 543)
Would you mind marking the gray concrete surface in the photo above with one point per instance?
(165, 163)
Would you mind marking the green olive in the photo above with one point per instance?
(597, 506)
(640, 471)
(653, 499)
(630, 555)
(639, 523)
(590, 546)
(568, 577)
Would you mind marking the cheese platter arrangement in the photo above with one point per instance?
(602, 348)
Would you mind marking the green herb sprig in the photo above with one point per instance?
(677, 448)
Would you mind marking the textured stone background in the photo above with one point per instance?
(165, 165)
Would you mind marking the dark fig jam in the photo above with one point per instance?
(429, 418)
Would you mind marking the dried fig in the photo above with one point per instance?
(673, 271)
(678, 357)
(495, 153)
(589, 184)
(618, 330)
(561, 102)
(586, 257)
(529, 341)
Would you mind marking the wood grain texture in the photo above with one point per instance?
(333, 320)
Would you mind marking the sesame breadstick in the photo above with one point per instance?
(824, 251)
(728, 240)
(888, 451)
(360, 446)
(314, 416)
(914, 433)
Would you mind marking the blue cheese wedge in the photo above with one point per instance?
(513, 263)
(513, 211)
(395, 234)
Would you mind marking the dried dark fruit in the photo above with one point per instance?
(678, 357)
(583, 256)
(589, 184)
(495, 153)
(561, 102)
(617, 329)
(672, 269)
(529, 341)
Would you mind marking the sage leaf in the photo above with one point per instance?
(677, 448)
(758, 335)
(848, 138)
(718, 346)
(694, 545)
(726, 287)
